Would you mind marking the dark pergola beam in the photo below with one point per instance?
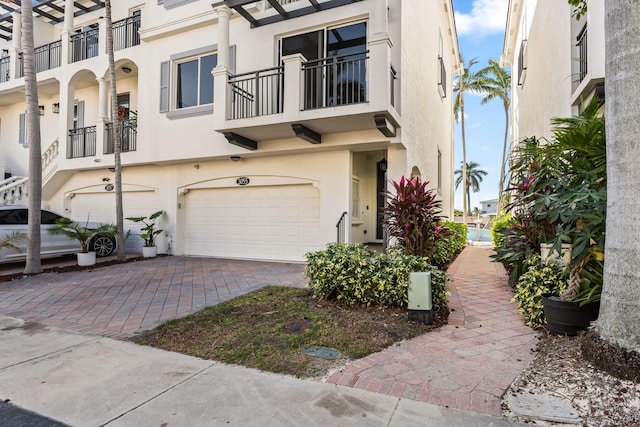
(315, 4)
(81, 7)
(6, 7)
(47, 15)
(306, 134)
(296, 13)
(56, 8)
(246, 15)
(278, 7)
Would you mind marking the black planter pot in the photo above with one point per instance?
(567, 318)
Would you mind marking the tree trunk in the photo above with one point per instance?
(504, 159)
(116, 134)
(465, 190)
(619, 320)
(32, 137)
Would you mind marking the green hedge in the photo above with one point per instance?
(448, 247)
(354, 274)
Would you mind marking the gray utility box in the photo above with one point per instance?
(420, 297)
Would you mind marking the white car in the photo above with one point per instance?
(15, 219)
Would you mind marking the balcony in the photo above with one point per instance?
(5, 66)
(82, 142)
(128, 136)
(47, 57)
(582, 53)
(302, 98)
(125, 32)
(84, 45)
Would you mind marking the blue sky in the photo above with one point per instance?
(480, 25)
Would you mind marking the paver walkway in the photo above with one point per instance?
(467, 364)
(121, 300)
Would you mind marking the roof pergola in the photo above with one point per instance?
(315, 6)
(51, 11)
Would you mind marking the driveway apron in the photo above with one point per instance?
(125, 299)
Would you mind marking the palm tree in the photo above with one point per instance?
(33, 264)
(474, 178)
(499, 81)
(619, 320)
(468, 82)
(116, 135)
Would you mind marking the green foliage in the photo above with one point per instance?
(82, 233)
(457, 212)
(449, 246)
(354, 274)
(412, 217)
(499, 225)
(580, 8)
(540, 278)
(9, 241)
(148, 232)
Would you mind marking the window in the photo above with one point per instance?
(186, 83)
(439, 171)
(194, 82)
(355, 197)
(442, 70)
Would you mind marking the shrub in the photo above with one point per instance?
(448, 247)
(540, 278)
(498, 227)
(412, 217)
(355, 275)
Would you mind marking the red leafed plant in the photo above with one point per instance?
(412, 217)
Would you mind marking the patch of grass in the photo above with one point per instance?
(267, 329)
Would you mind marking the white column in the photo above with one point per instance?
(379, 68)
(293, 86)
(223, 13)
(67, 94)
(380, 19)
(103, 99)
(16, 45)
(69, 8)
(220, 97)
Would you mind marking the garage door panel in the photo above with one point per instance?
(279, 222)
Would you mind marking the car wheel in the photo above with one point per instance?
(103, 245)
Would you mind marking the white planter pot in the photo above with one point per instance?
(86, 258)
(547, 255)
(149, 251)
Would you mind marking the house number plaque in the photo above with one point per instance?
(243, 180)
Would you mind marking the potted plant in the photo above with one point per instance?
(83, 234)
(148, 233)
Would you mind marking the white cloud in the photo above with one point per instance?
(486, 17)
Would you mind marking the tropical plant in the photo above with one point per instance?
(9, 241)
(32, 136)
(82, 233)
(473, 82)
(149, 231)
(498, 79)
(355, 275)
(448, 247)
(412, 217)
(473, 179)
(540, 278)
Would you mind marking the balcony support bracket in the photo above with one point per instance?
(384, 125)
(307, 134)
(241, 141)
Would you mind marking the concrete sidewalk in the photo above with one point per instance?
(84, 380)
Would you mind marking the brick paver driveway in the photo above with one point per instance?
(125, 299)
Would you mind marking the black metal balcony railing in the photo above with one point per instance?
(258, 93)
(336, 80)
(47, 57)
(125, 32)
(582, 53)
(5, 66)
(128, 136)
(84, 45)
(82, 142)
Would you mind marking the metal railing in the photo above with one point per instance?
(582, 53)
(125, 32)
(82, 142)
(258, 93)
(336, 80)
(128, 136)
(5, 66)
(84, 45)
(341, 227)
(47, 57)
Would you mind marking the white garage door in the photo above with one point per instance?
(275, 222)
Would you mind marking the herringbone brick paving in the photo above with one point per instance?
(467, 364)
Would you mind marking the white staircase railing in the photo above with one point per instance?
(13, 190)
